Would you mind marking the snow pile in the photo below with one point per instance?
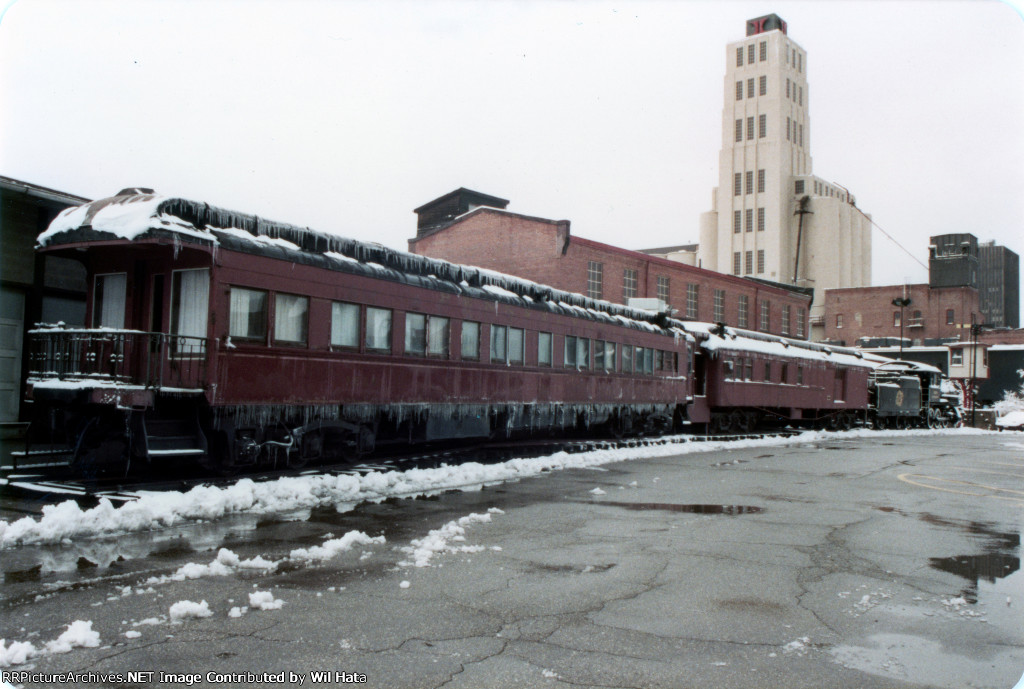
(440, 540)
(289, 494)
(184, 609)
(226, 562)
(334, 547)
(1011, 404)
(78, 634)
(264, 600)
(1014, 419)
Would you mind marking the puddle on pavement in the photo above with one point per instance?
(689, 509)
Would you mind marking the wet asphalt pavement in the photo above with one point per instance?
(871, 563)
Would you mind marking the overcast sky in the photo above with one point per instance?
(344, 116)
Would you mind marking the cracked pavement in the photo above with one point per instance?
(810, 565)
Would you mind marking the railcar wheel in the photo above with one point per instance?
(719, 423)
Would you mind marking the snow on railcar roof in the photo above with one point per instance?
(716, 337)
(138, 213)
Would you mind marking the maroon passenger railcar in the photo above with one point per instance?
(220, 337)
(743, 379)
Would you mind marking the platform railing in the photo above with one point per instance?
(122, 357)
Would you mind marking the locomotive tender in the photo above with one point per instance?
(223, 339)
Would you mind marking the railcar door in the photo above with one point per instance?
(185, 348)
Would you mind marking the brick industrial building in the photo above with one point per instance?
(464, 226)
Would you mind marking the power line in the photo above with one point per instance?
(892, 239)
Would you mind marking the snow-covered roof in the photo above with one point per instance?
(716, 338)
(136, 214)
(914, 366)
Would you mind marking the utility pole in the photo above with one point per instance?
(801, 211)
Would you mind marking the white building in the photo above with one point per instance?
(772, 218)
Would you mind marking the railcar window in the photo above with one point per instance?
(378, 329)
(570, 351)
(544, 349)
(190, 302)
(344, 325)
(499, 343)
(108, 301)
(599, 354)
(799, 375)
(470, 340)
(415, 334)
(659, 360)
(767, 371)
(727, 365)
(609, 356)
(627, 359)
(582, 353)
(748, 373)
(438, 337)
(648, 361)
(248, 319)
(784, 373)
(291, 318)
(516, 346)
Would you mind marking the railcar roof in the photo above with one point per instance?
(714, 338)
(136, 214)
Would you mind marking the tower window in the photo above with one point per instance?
(750, 128)
(749, 220)
(789, 123)
(798, 187)
(739, 90)
(750, 87)
(736, 222)
(739, 57)
(748, 262)
(760, 220)
(764, 51)
(801, 135)
(760, 181)
(800, 92)
(787, 87)
(760, 261)
(763, 85)
(750, 181)
(762, 126)
(737, 184)
(736, 263)
(739, 130)
(750, 54)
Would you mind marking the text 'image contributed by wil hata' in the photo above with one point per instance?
(189, 679)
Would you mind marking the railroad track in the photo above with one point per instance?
(58, 485)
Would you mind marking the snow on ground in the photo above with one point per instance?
(440, 540)
(67, 521)
(184, 609)
(78, 634)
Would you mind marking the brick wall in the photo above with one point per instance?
(868, 312)
(535, 249)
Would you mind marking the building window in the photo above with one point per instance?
(736, 263)
(750, 88)
(896, 319)
(800, 100)
(628, 283)
(595, 280)
(788, 126)
(749, 219)
(739, 56)
(545, 349)
(760, 261)
(750, 128)
(739, 130)
(839, 320)
(765, 316)
(785, 319)
(470, 340)
(760, 220)
(764, 51)
(762, 126)
(750, 54)
(750, 181)
(692, 292)
(956, 357)
(344, 325)
(798, 187)
(663, 288)
(743, 311)
(748, 263)
(719, 314)
(109, 300)
(762, 86)
(787, 88)
(248, 315)
(950, 317)
(737, 184)
(739, 90)
(736, 224)
(378, 329)
(801, 320)
(760, 181)
(801, 135)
